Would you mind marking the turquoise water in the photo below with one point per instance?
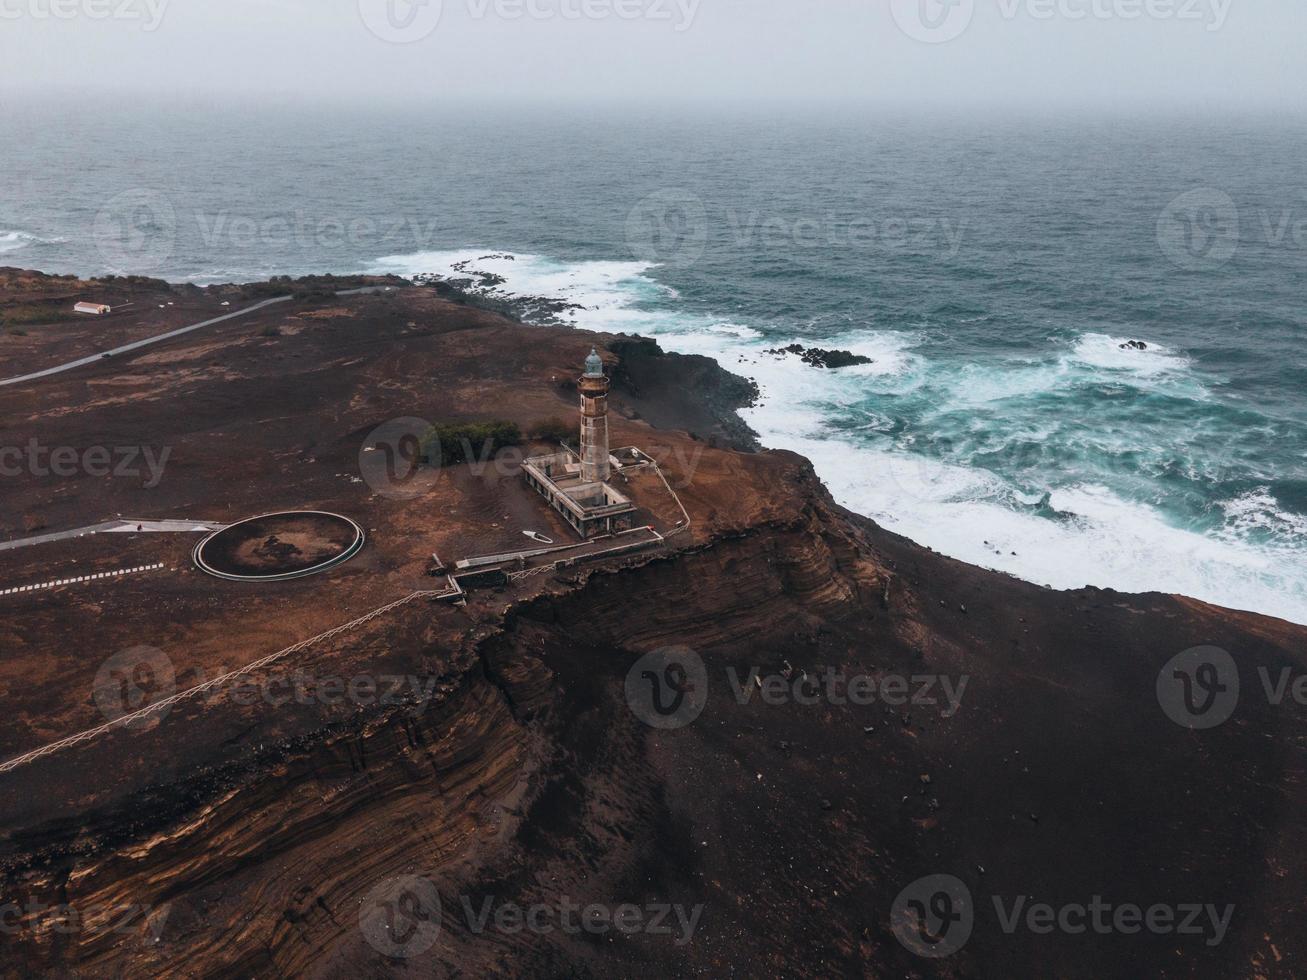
(990, 268)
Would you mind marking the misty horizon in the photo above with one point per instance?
(1109, 57)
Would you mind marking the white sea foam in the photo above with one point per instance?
(1067, 536)
(11, 241)
(1258, 510)
(1096, 538)
(976, 386)
(212, 277)
(605, 290)
(1106, 352)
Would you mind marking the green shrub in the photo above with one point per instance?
(554, 430)
(466, 442)
(34, 314)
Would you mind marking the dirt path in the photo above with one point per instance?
(137, 345)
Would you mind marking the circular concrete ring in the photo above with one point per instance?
(232, 553)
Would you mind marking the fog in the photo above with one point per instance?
(1081, 55)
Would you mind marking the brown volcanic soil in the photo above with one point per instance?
(253, 828)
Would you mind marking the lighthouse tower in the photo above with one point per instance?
(594, 420)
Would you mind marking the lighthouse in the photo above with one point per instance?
(576, 484)
(594, 420)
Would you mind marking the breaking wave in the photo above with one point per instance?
(11, 241)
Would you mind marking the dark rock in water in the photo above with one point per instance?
(481, 289)
(835, 358)
(1134, 345)
(478, 278)
(818, 357)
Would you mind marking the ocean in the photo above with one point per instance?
(991, 269)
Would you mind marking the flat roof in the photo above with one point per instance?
(570, 487)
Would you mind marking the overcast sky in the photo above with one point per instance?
(1104, 54)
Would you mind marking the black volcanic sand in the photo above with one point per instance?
(281, 544)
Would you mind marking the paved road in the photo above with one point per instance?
(137, 345)
(112, 527)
